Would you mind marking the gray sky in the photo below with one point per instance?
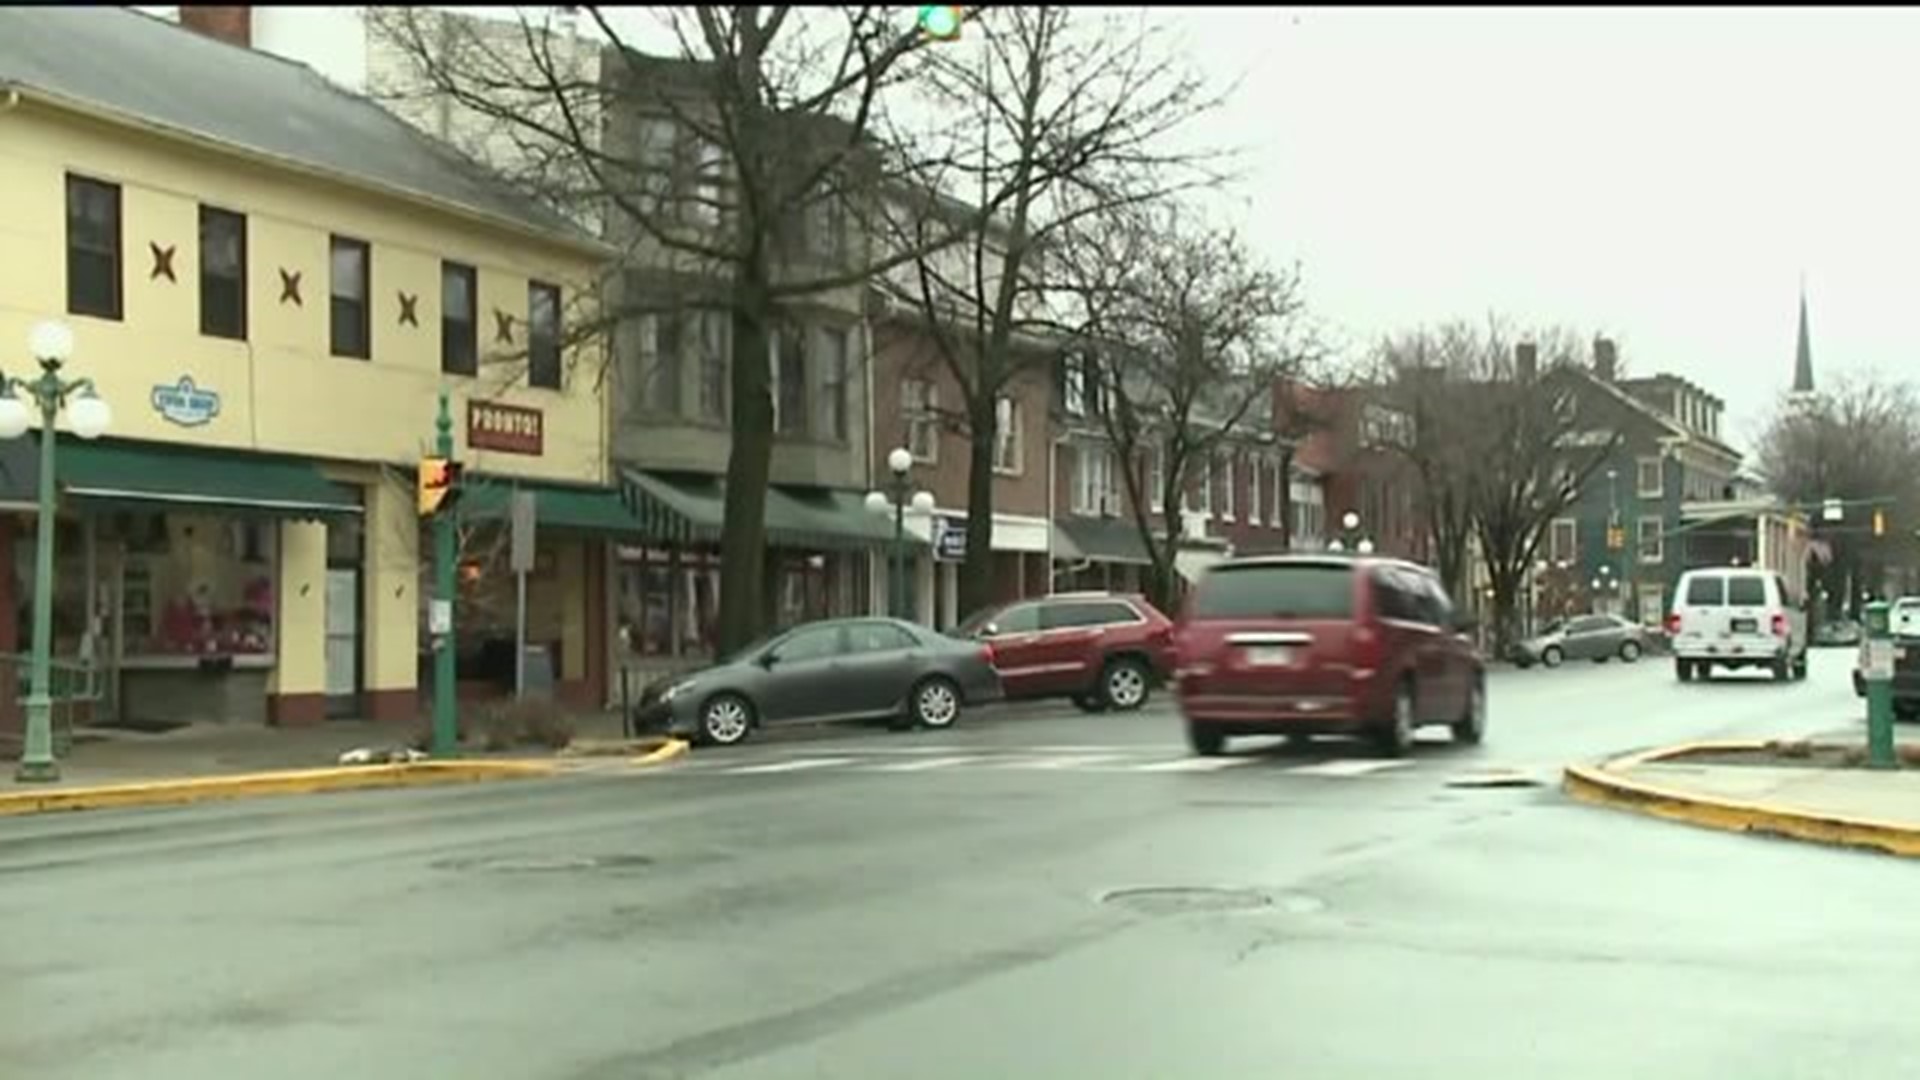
(1661, 175)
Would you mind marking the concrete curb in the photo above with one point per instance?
(665, 752)
(1601, 785)
(253, 785)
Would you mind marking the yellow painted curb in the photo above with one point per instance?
(1601, 786)
(252, 785)
(669, 750)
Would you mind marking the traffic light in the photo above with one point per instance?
(940, 22)
(1879, 522)
(439, 484)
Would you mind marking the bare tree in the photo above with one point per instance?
(1496, 436)
(1189, 333)
(725, 173)
(1066, 117)
(1857, 442)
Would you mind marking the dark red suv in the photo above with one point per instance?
(1103, 650)
(1301, 645)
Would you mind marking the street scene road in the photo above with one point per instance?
(1025, 896)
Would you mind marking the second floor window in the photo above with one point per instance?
(223, 273)
(543, 335)
(1256, 479)
(1006, 436)
(1652, 539)
(662, 358)
(1227, 492)
(1651, 478)
(789, 383)
(1094, 482)
(919, 408)
(459, 319)
(348, 289)
(833, 360)
(1562, 541)
(93, 248)
(715, 363)
(1157, 479)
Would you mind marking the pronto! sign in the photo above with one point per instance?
(509, 429)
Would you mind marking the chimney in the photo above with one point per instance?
(1606, 360)
(233, 25)
(1526, 361)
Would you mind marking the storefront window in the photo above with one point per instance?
(669, 601)
(801, 588)
(195, 584)
(69, 592)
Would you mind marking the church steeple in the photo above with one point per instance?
(1803, 353)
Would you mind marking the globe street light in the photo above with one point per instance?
(51, 344)
(900, 484)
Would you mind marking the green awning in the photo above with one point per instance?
(680, 507)
(555, 506)
(159, 474)
(1114, 540)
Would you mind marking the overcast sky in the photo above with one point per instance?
(1665, 176)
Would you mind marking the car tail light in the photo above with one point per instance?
(986, 652)
(1673, 625)
(1779, 625)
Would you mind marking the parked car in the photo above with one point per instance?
(1737, 617)
(1904, 623)
(1598, 638)
(1102, 650)
(835, 669)
(1300, 645)
(1839, 633)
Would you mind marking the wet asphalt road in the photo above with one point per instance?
(758, 914)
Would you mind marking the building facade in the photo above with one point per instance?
(271, 282)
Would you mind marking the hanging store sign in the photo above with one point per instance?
(509, 429)
(184, 403)
(950, 538)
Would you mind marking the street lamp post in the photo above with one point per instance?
(1350, 536)
(898, 496)
(51, 344)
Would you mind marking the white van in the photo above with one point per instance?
(1737, 617)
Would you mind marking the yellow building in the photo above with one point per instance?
(270, 280)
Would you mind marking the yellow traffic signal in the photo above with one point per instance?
(439, 482)
(1879, 522)
(940, 22)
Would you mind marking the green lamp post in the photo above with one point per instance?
(895, 500)
(50, 344)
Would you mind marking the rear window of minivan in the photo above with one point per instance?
(1707, 591)
(1275, 592)
(1746, 590)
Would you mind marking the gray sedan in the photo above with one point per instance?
(836, 669)
(1598, 638)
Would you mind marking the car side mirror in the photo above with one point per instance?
(768, 659)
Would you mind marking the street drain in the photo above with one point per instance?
(544, 864)
(1182, 900)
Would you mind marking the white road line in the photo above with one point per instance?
(925, 764)
(1192, 764)
(788, 766)
(1347, 767)
(1069, 761)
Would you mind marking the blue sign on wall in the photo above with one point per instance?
(950, 538)
(184, 403)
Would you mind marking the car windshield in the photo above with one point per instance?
(1284, 591)
(972, 624)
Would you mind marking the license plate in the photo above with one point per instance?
(1269, 656)
(1745, 626)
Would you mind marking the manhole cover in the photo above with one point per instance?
(1180, 900)
(544, 864)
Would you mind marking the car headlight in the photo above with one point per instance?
(676, 690)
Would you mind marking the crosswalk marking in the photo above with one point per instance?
(788, 766)
(924, 764)
(1067, 761)
(1194, 764)
(1347, 767)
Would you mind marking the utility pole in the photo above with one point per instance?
(446, 731)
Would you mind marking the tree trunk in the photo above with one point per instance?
(743, 543)
(1285, 495)
(1159, 582)
(976, 573)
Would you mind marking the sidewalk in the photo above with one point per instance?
(1817, 789)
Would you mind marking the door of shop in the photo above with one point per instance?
(345, 551)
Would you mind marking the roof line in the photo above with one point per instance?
(1665, 421)
(584, 243)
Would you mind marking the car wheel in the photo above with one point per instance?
(1906, 711)
(1395, 737)
(1683, 670)
(1782, 670)
(935, 703)
(1629, 652)
(1206, 740)
(1472, 728)
(725, 720)
(1123, 685)
(1800, 668)
(1092, 703)
(1551, 656)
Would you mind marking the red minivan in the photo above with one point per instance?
(1301, 645)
